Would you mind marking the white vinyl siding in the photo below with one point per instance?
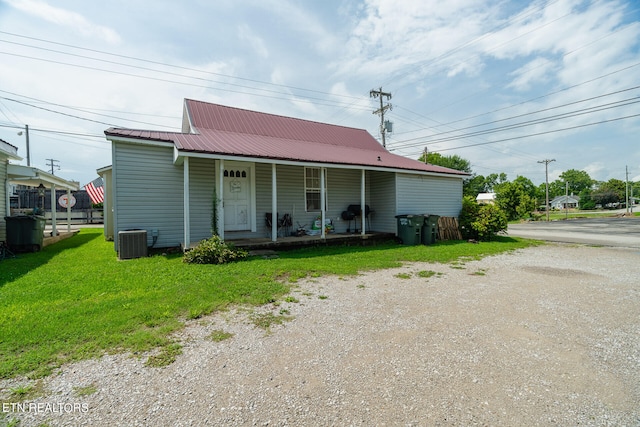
(148, 192)
(383, 185)
(434, 195)
(4, 198)
(201, 186)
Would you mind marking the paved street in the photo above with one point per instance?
(621, 232)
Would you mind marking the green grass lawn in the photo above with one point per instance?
(74, 300)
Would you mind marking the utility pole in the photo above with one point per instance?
(626, 188)
(53, 163)
(546, 180)
(426, 154)
(379, 94)
(566, 200)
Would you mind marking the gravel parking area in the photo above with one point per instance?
(542, 336)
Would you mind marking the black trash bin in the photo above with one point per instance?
(430, 229)
(25, 233)
(409, 228)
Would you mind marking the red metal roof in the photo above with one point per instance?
(222, 130)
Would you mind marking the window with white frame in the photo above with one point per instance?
(312, 189)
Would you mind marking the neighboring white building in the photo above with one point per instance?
(486, 198)
(565, 202)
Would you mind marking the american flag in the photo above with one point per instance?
(95, 189)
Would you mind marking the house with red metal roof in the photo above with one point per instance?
(243, 168)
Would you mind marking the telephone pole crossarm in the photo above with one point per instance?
(380, 94)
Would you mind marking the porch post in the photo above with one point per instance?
(322, 204)
(54, 231)
(220, 196)
(274, 204)
(69, 210)
(185, 190)
(362, 204)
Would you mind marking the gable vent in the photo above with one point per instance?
(132, 244)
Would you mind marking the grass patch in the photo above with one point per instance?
(266, 320)
(428, 273)
(56, 308)
(85, 391)
(220, 335)
(167, 356)
(26, 392)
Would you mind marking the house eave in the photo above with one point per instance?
(180, 155)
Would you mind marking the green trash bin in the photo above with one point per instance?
(25, 232)
(430, 229)
(410, 228)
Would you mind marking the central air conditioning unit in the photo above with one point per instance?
(132, 244)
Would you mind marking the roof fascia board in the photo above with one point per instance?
(131, 140)
(179, 159)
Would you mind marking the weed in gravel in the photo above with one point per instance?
(27, 392)
(457, 265)
(12, 422)
(291, 299)
(480, 272)
(265, 320)
(403, 275)
(360, 286)
(219, 335)
(85, 391)
(426, 273)
(322, 297)
(167, 356)
(284, 311)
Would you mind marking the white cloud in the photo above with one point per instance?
(62, 17)
(257, 44)
(534, 71)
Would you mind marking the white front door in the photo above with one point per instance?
(237, 197)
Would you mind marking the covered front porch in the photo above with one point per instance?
(267, 203)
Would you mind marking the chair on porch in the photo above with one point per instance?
(283, 224)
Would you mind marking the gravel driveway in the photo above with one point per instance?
(542, 336)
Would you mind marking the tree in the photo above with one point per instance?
(578, 180)
(515, 199)
(452, 162)
(610, 192)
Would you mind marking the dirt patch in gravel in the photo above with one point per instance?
(543, 336)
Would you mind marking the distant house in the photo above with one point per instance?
(7, 152)
(254, 165)
(486, 198)
(30, 177)
(565, 202)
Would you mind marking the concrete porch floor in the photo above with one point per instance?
(292, 242)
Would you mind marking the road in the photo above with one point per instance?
(616, 232)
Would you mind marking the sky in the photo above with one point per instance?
(504, 84)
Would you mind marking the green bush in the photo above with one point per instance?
(490, 221)
(481, 222)
(214, 251)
